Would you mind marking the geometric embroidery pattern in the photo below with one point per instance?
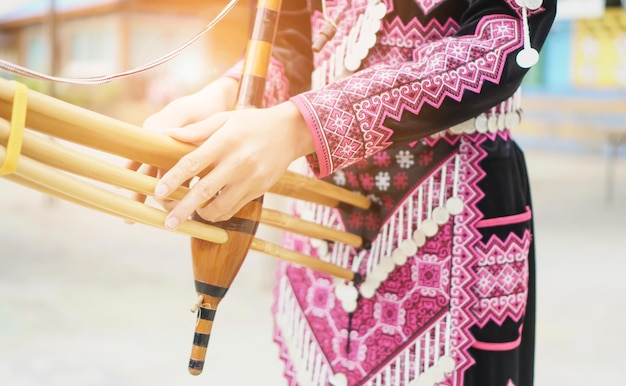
(397, 41)
(347, 116)
(428, 5)
(437, 281)
(502, 279)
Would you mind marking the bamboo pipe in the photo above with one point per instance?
(101, 198)
(258, 245)
(313, 263)
(63, 120)
(53, 154)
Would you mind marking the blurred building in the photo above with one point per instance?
(586, 48)
(575, 97)
(82, 38)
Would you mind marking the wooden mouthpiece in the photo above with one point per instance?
(215, 267)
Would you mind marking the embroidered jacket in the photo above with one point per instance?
(421, 126)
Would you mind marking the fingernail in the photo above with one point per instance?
(160, 191)
(171, 222)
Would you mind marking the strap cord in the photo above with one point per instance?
(16, 134)
(23, 71)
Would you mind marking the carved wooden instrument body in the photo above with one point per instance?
(216, 265)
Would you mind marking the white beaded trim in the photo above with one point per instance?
(434, 207)
(413, 223)
(354, 48)
(528, 56)
(435, 374)
(305, 354)
(505, 116)
(424, 362)
(438, 211)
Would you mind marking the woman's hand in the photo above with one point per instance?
(218, 96)
(247, 151)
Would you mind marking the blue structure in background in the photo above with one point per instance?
(557, 56)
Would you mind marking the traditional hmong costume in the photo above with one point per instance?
(412, 103)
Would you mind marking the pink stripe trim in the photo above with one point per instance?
(324, 159)
(507, 346)
(506, 220)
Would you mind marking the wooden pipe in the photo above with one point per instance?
(44, 179)
(65, 121)
(95, 197)
(58, 156)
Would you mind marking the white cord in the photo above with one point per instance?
(23, 71)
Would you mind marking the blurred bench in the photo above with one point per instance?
(585, 113)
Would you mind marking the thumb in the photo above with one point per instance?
(197, 133)
(175, 114)
(162, 121)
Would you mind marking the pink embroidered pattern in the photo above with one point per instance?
(513, 4)
(465, 236)
(347, 116)
(502, 285)
(397, 41)
(407, 306)
(428, 5)
(276, 84)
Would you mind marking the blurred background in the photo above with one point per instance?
(88, 300)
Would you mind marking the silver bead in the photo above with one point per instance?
(429, 227)
(512, 120)
(349, 305)
(368, 289)
(379, 273)
(454, 205)
(481, 123)
(352, 63)
(409, 247)
(447, 364)
(419, 238)
(399, 257)
(533, 4)
(377, 11)
(339, 379)
(441, 215)
(386, 264)
(527, 57)
(492, 124)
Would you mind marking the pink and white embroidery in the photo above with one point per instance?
(422, 305)
(502, 279)
(276, 84)
(428, 5)
(347, 117)
(397, 41)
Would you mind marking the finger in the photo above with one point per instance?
(133, 165)
(185, 169)
(230, 200)
(189, 166)
(143, 169)
(168, 205)
(201, 192)
(147, 170)
(175, 114)
(223, 206)
(198, 132)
